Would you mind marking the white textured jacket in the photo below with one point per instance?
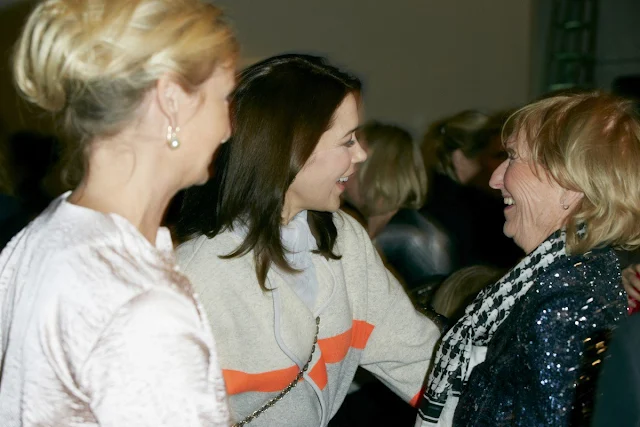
(98, 328)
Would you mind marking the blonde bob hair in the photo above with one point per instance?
(93, 61)
(460, 289)
(394, 175)
(588, 143)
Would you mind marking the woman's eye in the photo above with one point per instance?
(350, 143)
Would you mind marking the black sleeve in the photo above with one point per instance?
(618, 396)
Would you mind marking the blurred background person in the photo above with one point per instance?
(461, 153)
(487, 151)
(98, 326)
(526, 350)
(461, 288)
(385, 193)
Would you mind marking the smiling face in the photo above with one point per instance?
(323, 177)
(352, 187)
(536, 205)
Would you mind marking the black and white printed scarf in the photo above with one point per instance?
(477, 326)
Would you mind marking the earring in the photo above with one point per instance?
(565, 207)
(172, 137)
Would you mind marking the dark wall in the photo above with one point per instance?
(14, 113)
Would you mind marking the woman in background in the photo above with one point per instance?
(461, 288)
(386, 192)
(461, 152)
(98, 326)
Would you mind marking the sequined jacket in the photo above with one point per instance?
(543, 360)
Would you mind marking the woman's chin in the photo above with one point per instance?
(198, 180)
(507, 230)
(335, 205)
(332, 206)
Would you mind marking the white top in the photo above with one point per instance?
(99, 328)
(299, 244)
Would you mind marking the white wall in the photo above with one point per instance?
(5, 3)
(420, 59)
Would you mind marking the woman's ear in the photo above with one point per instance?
(168, 94)
(570, 198)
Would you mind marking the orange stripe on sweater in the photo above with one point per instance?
(240, 382)
(319, 373)
(416, 399)
(361, 333)
(334, 350)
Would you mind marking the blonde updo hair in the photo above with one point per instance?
(588, 143)
(394, 174)
(93, 61)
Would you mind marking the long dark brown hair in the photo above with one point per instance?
(279, 110)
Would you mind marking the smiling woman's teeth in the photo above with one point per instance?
(345, 179)
(508, 201)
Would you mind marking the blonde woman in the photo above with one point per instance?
(98, 326)
(392, 177)
(385, 193)
(527, 351)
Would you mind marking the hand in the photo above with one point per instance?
(631, 284)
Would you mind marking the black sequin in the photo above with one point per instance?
(543, 361)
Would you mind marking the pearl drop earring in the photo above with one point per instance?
(172, 137)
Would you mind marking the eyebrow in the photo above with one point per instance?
(350, 132)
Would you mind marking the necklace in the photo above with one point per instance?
(255, 414)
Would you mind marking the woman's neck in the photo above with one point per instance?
(139, 194)
(289, 212)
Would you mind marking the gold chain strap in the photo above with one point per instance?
(255, 414)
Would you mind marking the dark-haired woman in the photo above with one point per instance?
(295, 291)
